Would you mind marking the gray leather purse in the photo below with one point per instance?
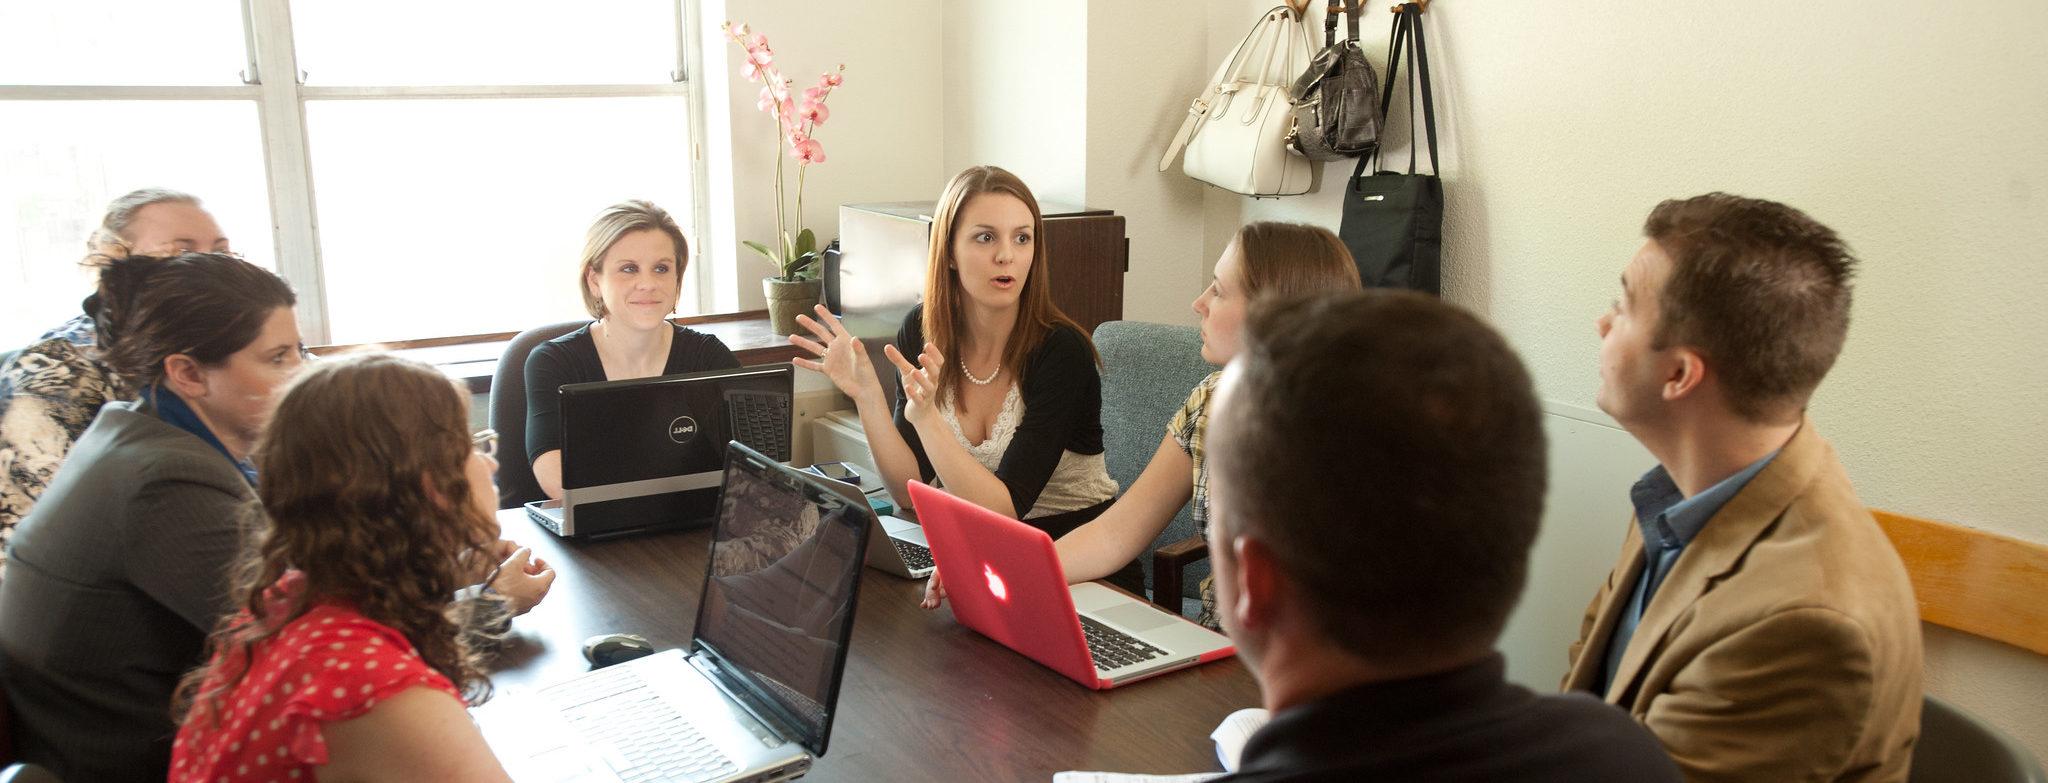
(1337, 108)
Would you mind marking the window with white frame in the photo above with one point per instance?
(415, 169)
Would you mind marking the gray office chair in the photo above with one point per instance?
(1956, 747)
(1147, 372)
(516, 485)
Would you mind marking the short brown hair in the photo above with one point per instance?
(1389, 448)
(612, 225)
(1759, 288)
(1294, 258)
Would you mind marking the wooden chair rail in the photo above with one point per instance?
(1976, 582)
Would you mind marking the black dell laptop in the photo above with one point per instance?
(649, 453)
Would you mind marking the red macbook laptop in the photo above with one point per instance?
(1004, 580)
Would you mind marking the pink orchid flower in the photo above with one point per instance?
(831, 79)
(814, 112)
(809, 152)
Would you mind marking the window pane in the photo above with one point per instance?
(121, 42)
(62, 161)
(401, 42)
(451, 217)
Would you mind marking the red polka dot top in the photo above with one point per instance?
(330, 664)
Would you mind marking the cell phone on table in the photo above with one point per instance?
(836, 471)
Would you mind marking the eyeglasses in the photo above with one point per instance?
(486, 443)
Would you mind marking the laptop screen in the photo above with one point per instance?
(779, 600)
(650, 429)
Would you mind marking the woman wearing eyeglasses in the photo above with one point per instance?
(344, 662)
(117, 574)
(52, 390)
(122, 568)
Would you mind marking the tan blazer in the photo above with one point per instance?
(1784, 645)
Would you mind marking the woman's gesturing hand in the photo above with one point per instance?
(920, 383)
(840, 356)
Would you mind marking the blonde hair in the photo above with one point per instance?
(943, 323)
(612, 225)
(111, 238)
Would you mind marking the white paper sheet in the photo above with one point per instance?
(1125, 777)
(1231, 734)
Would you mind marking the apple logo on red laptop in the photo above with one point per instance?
(995, 583)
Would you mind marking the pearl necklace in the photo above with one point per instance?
(980, 381)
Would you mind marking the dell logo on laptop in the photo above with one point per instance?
(682, 430)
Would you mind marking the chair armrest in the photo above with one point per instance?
(1167, 563)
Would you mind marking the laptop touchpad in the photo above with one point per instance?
(1134, 616)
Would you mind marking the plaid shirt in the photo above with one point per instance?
(1190, 429)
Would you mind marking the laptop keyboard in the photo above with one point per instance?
(760, 419)
(1114, 649)
(639, 734)
(915, 556)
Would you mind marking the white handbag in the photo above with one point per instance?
(1236, 131)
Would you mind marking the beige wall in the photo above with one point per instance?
(1016, 92)
(1914, 129)
(881, 142)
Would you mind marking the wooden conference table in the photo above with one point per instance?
(924, 697)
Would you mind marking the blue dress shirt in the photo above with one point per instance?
(1670, 521)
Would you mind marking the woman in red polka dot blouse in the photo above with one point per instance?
(344, 660)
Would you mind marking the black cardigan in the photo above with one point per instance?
(1062, 391)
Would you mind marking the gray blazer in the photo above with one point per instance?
(114, 580)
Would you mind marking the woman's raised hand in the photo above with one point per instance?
(840, 356)
(920, 383)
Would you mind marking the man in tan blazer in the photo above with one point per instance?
(1758, 621)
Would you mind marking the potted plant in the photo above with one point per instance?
(794, 287)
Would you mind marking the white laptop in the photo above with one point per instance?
(753, 697)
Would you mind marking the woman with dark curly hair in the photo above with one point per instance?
(347, 660)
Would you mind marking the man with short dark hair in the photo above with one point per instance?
(1378, 478)
(1758, 620)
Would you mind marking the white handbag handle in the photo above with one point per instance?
(1200, 107)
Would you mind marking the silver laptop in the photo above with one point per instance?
(897, 546)
(754, 696)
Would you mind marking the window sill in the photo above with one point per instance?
(473, 359)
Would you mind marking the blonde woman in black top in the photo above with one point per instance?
(631, 276)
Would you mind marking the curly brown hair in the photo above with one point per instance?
(364, 491)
